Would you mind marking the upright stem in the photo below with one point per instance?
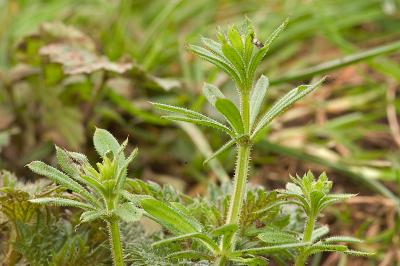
(245, 109)
(115, 242)
(309, 228)
(239, 186)
(114, 234)
(307, 235)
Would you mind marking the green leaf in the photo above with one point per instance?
(277, 237)
(89, 216)
(212, 93)
(317, 248)
(61, 179)
(229, 110)
(334, 198)
(260, 54)
(276, 33)
(201, 122)
(189, 254)
(320, 232)
(221, 150)
(257, 98)
(358, 253)
(269, 249)
(217, 60)
(67, 164)
(225, 229)
(104, 142)
(249, 48)
(128, 212)
(235, 39)
(347, 239)
(123, 170)
(316, 197)
(255, 261)
(179, 110)
(191, 117)
(62, 202)
(171, 218)
(284, 103)
(234, 57)
(204, 239)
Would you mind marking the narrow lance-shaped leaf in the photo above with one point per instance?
(217, 61)
(207, 241)
(257, 98)
(191, 117)
(62, 202)
(284, 103)
(169, 217)
(277, 237)
(347, 239)
(61, 179)
(225, 147)
(67, 164)
(236, 40)
(234, 57)
(201, 122)
(229, 110)
(212, 93)
(225, 229)
(269, 249)
(122, 171)
(317, 248)
(179, 110)
(259, 55)
(319, 232)
(89, 216)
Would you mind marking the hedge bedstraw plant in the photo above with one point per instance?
(238, 53)
(99, 192)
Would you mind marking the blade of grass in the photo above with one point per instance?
(338, 63)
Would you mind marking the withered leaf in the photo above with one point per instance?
(76, 60)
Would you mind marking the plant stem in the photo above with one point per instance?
(245, 109)
(115, 242)
(307, 235)
(239, 186)
(239, 189)
(308, 230)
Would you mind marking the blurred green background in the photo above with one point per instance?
(67, 66)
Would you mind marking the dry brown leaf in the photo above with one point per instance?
(76, 60)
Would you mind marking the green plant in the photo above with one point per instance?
(238, 53)
(99, 192)
(313, 196)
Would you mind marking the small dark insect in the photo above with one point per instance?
(257, 42)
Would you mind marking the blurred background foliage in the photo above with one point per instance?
(67, 66)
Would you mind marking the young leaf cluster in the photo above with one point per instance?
(99, 192)
(313, 196)
(236, 54)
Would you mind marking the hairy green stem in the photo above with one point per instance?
(245, 109)
(115, 242)
(239, 184)
(240, 180)
(236, 202)
(307, 236)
